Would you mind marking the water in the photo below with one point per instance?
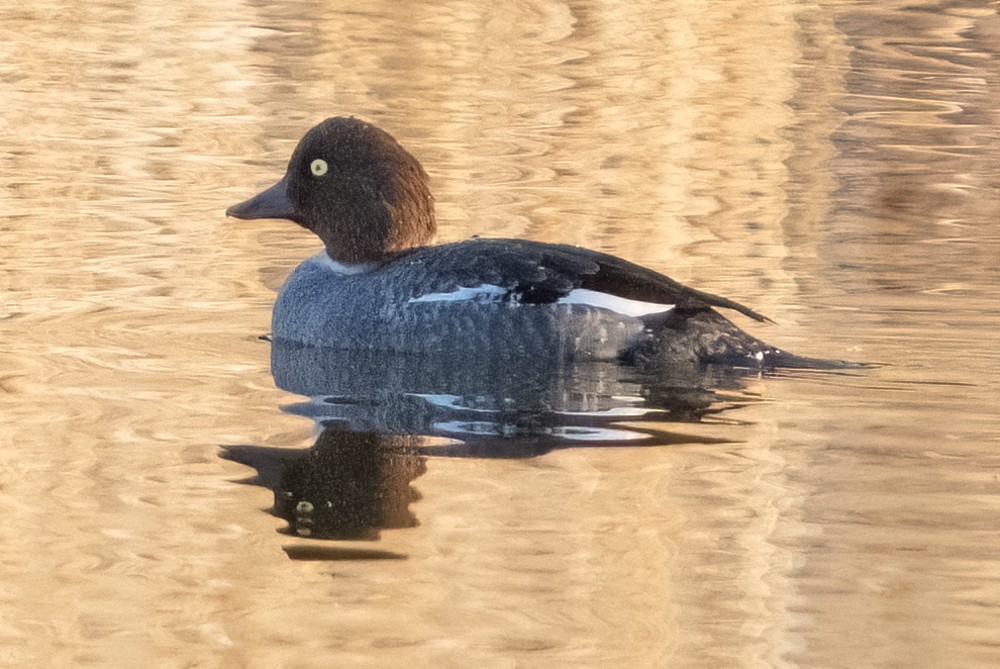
(833, 165)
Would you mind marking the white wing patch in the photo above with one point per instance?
(489, 293)
(620, 305)
(482, 293)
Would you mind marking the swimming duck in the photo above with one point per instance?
(379, 284)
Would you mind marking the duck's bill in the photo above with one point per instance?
(271, 203)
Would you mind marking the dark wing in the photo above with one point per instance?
(540, 273)
(635, 282)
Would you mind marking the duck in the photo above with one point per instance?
(380, 284)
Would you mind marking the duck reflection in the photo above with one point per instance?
(350, 485)
(382, 415)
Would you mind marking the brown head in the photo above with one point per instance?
(353, 185)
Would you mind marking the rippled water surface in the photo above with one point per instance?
(175, 492)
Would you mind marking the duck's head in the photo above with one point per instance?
(354, 186)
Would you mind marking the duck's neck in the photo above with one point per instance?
(346, 268)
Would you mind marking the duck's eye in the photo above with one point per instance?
(318, 167)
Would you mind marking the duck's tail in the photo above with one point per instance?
(707, 337)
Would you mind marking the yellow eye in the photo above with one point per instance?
(318, 167)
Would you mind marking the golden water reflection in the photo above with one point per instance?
(831, 164)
